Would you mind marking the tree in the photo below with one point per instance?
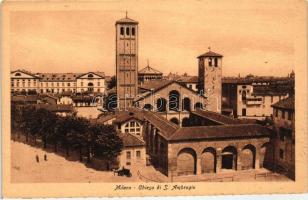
(112, 83)
(107, 144)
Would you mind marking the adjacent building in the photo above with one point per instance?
(284, 126)
(56, 83)
(252, 96)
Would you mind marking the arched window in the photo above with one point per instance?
(215, 62)
(161, 104)
(127, 31)
(133, 127)
(90, 87)
(210, 62)
(122, 31)
(148, 107)
(198, 105)
(133, 31)
(90, 76)
(17, 74)
(186, 104)
(244, 95)
(174, 120)
(174, 100)
(185, 122)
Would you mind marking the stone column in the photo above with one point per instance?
(198, 165)
(153, 140)
(238, 161)
(257, 158)
(218, 160)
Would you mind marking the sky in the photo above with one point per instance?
(253, 36)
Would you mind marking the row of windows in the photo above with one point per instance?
(129, 154)
(128, 31)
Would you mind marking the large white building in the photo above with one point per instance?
(56, 83)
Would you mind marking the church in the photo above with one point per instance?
(183, 129)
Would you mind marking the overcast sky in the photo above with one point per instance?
(254, 37)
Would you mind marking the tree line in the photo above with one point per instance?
(69, 132)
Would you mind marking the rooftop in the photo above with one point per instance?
(126, 20)
(210, 54)
(149, 70)
(130, 140)
(213, 116)
(287, 103)
(220, 132)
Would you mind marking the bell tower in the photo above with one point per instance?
(209, 79)
(126, 61)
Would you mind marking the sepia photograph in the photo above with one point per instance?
(131, 93)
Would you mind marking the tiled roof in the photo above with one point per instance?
(105, 118)
(287, 103)
(149, 70)
(165, 127)
(58, 76)
(188, 79)
(26, 72)
(273, 89)
(124, 116)
(101, 74)
(126, 21)
(210, 54)
(155, 84)
(83, 98)
(130, 140)
(257, 79)
(220, 132)
(64, 76)
(213, 116)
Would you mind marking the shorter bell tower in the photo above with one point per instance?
(209, 79)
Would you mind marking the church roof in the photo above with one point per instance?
(126, 21)
(210, 54)
(220, 132)
(219, 118)
(149, 70)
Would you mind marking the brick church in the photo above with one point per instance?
(183, 130)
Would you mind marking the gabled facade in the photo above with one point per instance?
(22, 80)
(91, 82)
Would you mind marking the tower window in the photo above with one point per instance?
(133, 31)
(127, 31)
(215, 62)
(122, 31)
(210, 62)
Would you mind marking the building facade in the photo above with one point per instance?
(284, 126)
(210, 75)
(56, 83)
(255, 101)
(252, 96)
(126, 61)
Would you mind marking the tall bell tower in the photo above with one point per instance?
(209, 79)
(126, 61)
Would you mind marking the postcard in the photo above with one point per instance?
(154, 98)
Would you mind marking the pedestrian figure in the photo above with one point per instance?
(45, 157)
(37, 159)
